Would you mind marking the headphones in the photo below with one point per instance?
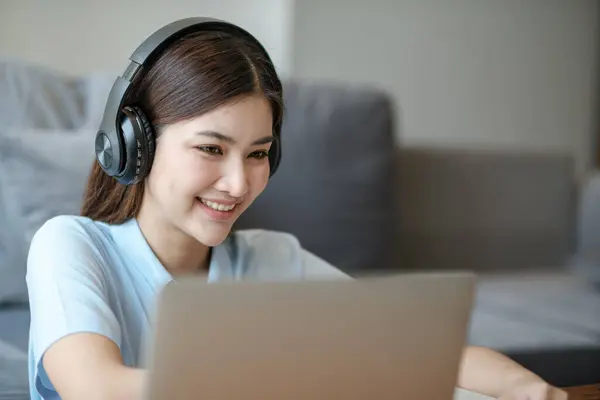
(125, 140)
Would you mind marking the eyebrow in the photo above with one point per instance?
(229, 139)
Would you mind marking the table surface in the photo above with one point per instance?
(587, 392)
(461, 394)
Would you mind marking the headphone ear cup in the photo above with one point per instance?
(149, 135)
(138, 137)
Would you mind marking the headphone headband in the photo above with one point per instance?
(112, 141)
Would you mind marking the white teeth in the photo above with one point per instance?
(217, 206)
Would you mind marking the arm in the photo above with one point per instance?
(75, 336)
(488, 372)
(90, 366)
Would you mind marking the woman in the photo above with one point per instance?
(215, 102)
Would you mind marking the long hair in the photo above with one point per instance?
(194, 75)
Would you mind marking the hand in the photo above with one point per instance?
(534, 391)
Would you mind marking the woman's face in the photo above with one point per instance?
(208, 170)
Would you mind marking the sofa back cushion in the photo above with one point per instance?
(486, 209)
(34, 96)
(43, 175)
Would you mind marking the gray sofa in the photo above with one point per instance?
(355, 195)
(368, 203)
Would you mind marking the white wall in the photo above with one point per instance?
(84, 36)
(512, 73)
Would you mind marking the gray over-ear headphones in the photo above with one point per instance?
(125, 140)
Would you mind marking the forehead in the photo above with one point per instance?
(244, 119)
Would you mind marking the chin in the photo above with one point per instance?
(212, 240)
(211, 236)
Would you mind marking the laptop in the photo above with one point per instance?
(377, 337)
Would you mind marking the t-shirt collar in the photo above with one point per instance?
(129, 238)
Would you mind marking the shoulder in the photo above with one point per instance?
(65, 244)
(268, 247)
(66, 228)
(266, 239)
(69, 234)
(282, 253)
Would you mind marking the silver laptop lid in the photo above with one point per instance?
(396, 337)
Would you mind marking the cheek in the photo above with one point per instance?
(196, 174)
(259, 179)
(160, 181)
(171, 173)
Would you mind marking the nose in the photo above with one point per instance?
(234, 178)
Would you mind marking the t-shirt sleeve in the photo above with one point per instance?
(315, 268)
(67, 290)
(274, 254)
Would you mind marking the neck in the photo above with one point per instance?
(179, 253)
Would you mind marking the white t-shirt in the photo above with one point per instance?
(88, 276)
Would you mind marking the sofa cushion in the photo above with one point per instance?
(34, 96)
(335, 186)
(95, 88)
(43, 175)
(516, 312)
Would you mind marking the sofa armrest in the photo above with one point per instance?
(586, 260)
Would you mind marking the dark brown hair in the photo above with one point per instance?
(194, 75)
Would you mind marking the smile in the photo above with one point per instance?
(218, 206)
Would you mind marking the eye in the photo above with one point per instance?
(210, 150)
(259, 154)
